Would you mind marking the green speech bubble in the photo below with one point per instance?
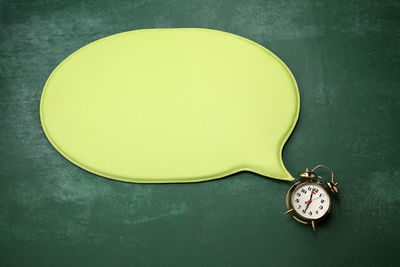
(171, 105)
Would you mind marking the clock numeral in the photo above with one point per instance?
(321, 207)
(303, 191)
(322, 200)
(310, 213)
(309, 188)
(316, 212)
(299, 207)
(320, 195)
(298, 194)
(303, 211)
(316, 190)
(297, 200)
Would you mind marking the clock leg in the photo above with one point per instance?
(313, 225)
(289, 211)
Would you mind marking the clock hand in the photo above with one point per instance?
(308, 204)
(312, 200)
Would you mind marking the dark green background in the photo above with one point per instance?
(345, 56)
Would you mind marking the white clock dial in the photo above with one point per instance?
(310, 200)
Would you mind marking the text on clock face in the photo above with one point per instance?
(311, 201)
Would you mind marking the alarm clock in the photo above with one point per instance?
(308, 201)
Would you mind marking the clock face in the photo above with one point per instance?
(310, 201)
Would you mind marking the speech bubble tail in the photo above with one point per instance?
(272, 166)
(281, 174)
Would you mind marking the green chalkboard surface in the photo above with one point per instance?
(345, 56)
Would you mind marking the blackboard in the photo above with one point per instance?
(345, 57)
